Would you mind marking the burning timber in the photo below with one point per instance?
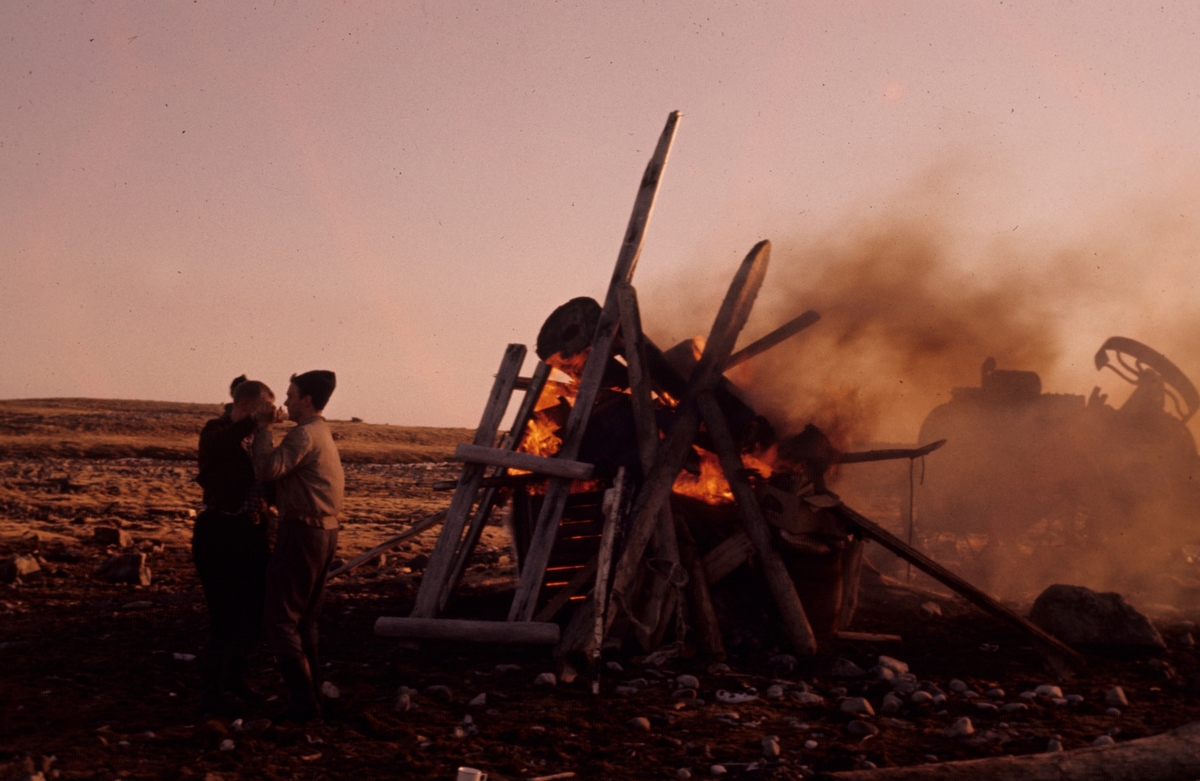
(650, 503)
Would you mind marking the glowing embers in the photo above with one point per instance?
(710, 485)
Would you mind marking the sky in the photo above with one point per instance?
(395, 191)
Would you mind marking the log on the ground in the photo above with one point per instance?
(1056, 653)
(555, 467)
(459, 630)
(1171, 756)
(386, 546)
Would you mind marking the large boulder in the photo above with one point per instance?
(17, 567)
(1081, 617)
(126, 568)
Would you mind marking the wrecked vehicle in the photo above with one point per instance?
(1027, 472)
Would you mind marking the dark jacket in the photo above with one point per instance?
(226, 470)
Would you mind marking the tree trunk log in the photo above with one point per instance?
(1171, 756)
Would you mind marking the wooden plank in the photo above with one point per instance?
(1170, 756)
(438, 572)
(783, 590)
(612, 519)
(722, 560)
(556, 467)
(783, 332)
(511, 442)
(731, 318)
(463, 631)
(383, 547)
(525, 600)
(1055, 651)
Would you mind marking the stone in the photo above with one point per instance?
(403, 703)
(683, 694)
(920, 698)
(995, 694)
(1103, 740)
(639, 724)
(226, 745)
(895, 665)
(684, 773)
(1115, 698)
(717, 770)
(891, 705)
(881, 673)
(807, 698)
(1014, 707)
(861, 729)
(107, 535)
(905, 683)
(1081, 617)
(810, 744)
(617, 668)
(546, 680)
(719, 668)
(770, 747)
(1115, 712)
(857, 705)
(1053, 746)
(1074, 699)
(17, 567)
(507, 668)
(931, 609)
(960, 728)
(478, 700)
(126, 568)
(986, 707)
(1028, 696)
(329, 690)
(1186, 640)
(783, 662)
(775, 692)
(439, 692)
(731, 698)
(1059, 701)
(957, 686)
(688, 682)
(844, 668)
(1048, 690)
(939, 699)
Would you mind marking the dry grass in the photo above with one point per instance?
(117, 428)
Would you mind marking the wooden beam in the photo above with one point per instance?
(1170, 756)
(704, 616)
(1055, 651)
(583, 576)
(783, 332)
(511, 442)
(731, 318)
(536, 558)
(462, 631)
(556, 467)
(616, 497)
(733, 552)
(438, 572)
(791, 611)
(383, 547)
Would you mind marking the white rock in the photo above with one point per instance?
(1053, 746)
(545, 679)
(729, 698)
(684, 773)
(226, 745)
(403, 703)
(1028, 695)
(895, 665)
(770, 747)
(775, 692)
(986, 707)
(330, 691)
(995, 694)
(939, 699)
(1103, 740)
(920, 698)
(1014, 707)
(717, 770)
(1059, 701)
(1115, 697)
(857, 705)
(1048, 690)
(639, 724)
(688, 682)
(810, 744)
(931, 609)
(958, 686)
(807, 698)
(960, 728)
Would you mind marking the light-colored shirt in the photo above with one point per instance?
(307, 471)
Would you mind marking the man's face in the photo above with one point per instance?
(249, 407)
(296, 408)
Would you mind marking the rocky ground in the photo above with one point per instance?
(101, 679)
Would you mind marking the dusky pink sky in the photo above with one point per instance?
(192, 190)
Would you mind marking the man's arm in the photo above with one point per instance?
(270, 462)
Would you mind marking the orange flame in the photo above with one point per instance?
(710, 486)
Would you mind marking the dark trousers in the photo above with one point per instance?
(296, 589)
(230, 553)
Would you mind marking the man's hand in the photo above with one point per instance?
(265, 414)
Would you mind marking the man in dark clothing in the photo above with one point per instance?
(229, 546)
(309, 487)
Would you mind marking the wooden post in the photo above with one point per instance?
(730, 320)
(538, 556)
(1053, 649)
(708, 631)
(437, 573)
(384, 547)
(533, 390)
(791, 612)
(782, 333)
(608, 536)
(654, 615)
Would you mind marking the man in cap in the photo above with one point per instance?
(309, 486)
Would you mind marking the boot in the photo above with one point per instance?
(235, 679)
(213, 702)
(302, 701)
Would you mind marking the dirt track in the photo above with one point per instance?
(92, 677)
